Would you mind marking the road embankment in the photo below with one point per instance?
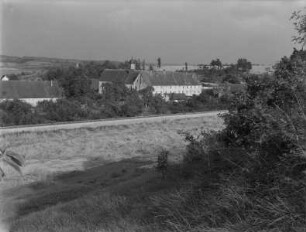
(104, 122)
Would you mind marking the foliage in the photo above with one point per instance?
(299, 18)
(261, 151)
(80, 102)
(162, 162)
(216, 63)
(244, 65)
(76, 80)
(74, 83)
(12, 77)
(230, 78)
(17, 112)
(114, 92)
(61, 110)
(158, 62)
(132, 106)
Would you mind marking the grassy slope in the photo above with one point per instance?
(94, 180)
(34, 66)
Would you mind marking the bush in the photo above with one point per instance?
(61, 110)
(162, 162)
(132, 106)
(261, 151)
(17, 112)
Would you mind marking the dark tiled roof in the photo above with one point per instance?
(158, 78)
(119, 76)
(29, 89)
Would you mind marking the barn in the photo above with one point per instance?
(167, 83)
(125, 76)
(31, 92)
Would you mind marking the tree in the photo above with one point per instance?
(12, 77)
(17, 112)
(108, 64)
(216, 63)
(137, 63)
(13, 159)
(147, 96)
(186, 66)
(114, 92)
(233, 79)
(132, 106)
(94, 69)
(143, 65)
(74, 81)
(269, 119)
(158, 62)
(300, 26)
(244, 65)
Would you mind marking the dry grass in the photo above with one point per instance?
(48, 154)
(63, 151)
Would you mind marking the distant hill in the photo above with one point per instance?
(35, 66)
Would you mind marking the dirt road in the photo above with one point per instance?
(101, 123)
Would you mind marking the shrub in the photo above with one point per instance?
(162, 162)
(61, 110)
(17, 112)
(261, 151)
(132, 106)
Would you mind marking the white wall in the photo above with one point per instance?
(32, 101)
(188, 90)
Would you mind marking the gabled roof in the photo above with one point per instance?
(125, 76)
(29, 89)
(167, 78)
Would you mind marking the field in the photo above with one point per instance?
(92, 179)
(32, 68)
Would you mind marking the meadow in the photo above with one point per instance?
(93, 179)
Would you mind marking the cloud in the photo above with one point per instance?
(177, 30)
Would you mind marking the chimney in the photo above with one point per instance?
(51, 83)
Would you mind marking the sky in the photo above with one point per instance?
(178, 31)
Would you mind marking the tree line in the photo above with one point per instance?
(81, 102)
(256, 165)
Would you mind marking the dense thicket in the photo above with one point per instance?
(81, 103)
(234, 73)
(256, 165)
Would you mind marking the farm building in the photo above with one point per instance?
(208, 85)
(166, 83)
(31, 92)
(128, 77)
(163, 82)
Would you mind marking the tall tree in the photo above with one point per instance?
(158, 62)
(244, 65)
(299, 19)
(216, 63)
(143, 64)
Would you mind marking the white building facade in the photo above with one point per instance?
(188, 90)
(166, 83)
